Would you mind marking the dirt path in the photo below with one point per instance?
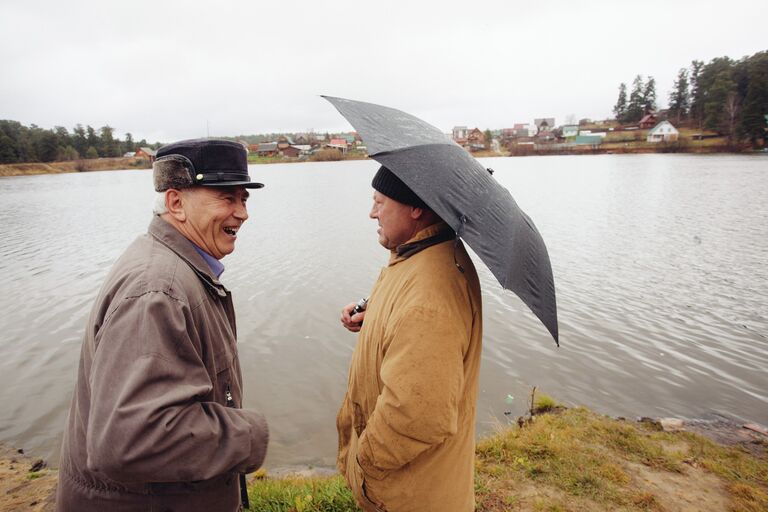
(24, 489)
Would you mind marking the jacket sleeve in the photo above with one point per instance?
(148, 421)
(422, 376)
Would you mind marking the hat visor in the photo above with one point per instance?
(246, 184)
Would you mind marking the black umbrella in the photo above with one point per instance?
(465, 195)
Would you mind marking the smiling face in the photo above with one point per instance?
(212, 217)
(398, 222)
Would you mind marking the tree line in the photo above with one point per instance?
(19, 143)
(726, 96)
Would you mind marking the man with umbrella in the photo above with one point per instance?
(406, 427)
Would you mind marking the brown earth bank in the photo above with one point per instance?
(95, 164)
(609, 149)
(26, 483)
(557, 459)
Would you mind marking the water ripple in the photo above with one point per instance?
(659, 263)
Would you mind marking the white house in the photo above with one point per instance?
(663, 132)
(570, 130)
(460, 133)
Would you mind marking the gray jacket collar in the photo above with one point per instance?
(170, 237)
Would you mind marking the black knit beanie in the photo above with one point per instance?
(390, 185)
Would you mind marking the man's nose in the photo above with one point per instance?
(241, 212)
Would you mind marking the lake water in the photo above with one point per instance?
(659, 263)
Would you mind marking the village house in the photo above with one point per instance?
(338, 143)
(663, 132)
(545, 136)
(522, 130)
(297, 150)
(570, 130)
(544, 124)
(267, 149)
(147, 153)
(284, 142)
(648, 121)
(476, 138)
(459, 135)
(518, 130)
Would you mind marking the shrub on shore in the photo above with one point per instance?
(327, 155)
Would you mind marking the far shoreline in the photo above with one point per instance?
(123, 164)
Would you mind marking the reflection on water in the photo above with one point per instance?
(659, 265)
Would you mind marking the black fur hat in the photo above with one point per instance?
(202, 162)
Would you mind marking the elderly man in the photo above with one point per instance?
(406, 427)
(156, 420)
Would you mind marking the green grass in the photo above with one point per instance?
(585, 458)
(544, 403)
(567, 460)
(302, 495)
(256, 159)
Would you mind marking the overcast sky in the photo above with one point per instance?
(166, 70)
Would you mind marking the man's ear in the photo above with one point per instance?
(416, 212)
(174, 202)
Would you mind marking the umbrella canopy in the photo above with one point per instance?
(463, 193)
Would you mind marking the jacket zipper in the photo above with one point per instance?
(243, 488)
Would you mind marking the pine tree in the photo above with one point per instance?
(620, 109)
(679, 100)
(129, 145)
(79, 139)
(649, 96)
(635, 108)
(92, 139)
(109, 146)
(753, 121)
(718, 99)
(46, 145)
(697, 93)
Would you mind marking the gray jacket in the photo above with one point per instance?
(155, 421)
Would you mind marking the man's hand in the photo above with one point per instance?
(352, 323)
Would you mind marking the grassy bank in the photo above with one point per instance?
(96, 164)
(576, 460)
(561, 460)
(329, 155)
(635, 142)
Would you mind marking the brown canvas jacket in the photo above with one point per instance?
(407, 424)
(155, 421)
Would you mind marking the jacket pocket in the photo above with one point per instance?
(367, 495)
